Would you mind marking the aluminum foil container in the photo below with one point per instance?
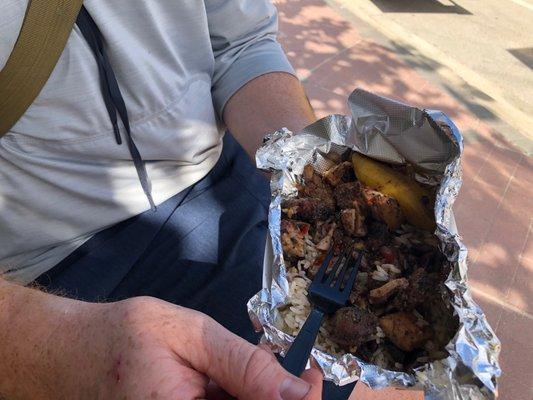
(395, 133)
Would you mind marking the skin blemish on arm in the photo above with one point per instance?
(115, 370)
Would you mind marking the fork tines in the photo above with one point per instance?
(336, 276)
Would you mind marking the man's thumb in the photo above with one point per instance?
(244, 370)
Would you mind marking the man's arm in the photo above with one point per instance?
(57, 348)
(254, 88)
(265, 104)
(37, 358)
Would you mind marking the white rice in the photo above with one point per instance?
(380, 335)
(391, 268)
(293, 316)
(380, 275)
(303, 265)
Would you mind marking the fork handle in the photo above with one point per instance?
(298, 354)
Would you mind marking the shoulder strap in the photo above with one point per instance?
(45, 31)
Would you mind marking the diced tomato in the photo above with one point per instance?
(388, 254)
(304, 229)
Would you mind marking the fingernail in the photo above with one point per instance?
(294, 389)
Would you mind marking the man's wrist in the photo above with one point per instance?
(42, 343)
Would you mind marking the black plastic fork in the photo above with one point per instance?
(328, 292)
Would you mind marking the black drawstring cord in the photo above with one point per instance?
(113, 99)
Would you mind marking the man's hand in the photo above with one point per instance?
(141, 348)
(163, 351)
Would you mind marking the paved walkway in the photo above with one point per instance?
(332, 56)
(480, 50)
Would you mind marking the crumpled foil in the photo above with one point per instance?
(395, 133)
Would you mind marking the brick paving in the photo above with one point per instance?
(493, 211)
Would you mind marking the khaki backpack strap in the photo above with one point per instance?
(45, 31)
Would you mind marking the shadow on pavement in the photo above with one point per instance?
(468, 95)
(420, 6)
(524, 55)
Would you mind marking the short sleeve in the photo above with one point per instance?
(243, 38)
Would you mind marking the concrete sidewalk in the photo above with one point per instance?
(479, 51)
(333, 56)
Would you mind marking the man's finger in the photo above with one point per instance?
(267, 348)
(242, 369)
(315, 378)
(215, 392)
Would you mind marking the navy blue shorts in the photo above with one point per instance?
(202, 249)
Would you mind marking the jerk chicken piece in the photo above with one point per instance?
(340, 173)
(353, 222)
(343, 240)
(326, 240)
(383, 208)
(421, 290)
(402, 330)
(293, 235)
(383, 293)
(316, 187)
(349, 195)
(353, 326)
(307, 209)
(359, 295)
(322, 229)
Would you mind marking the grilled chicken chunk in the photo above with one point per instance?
(340, 173)
(352, 326)
(322, 229)
(316, 187)
(325, 243)
(383, 293)
(347, 195)
(353, 222)
(402, 330)
(421, 290)
(383, 208)
(307, 209)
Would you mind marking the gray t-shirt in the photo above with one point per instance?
(62, 175)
